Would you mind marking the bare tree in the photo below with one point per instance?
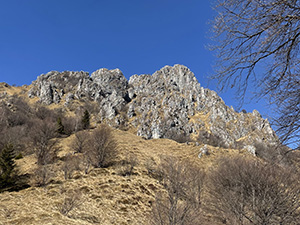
(3, 112)
(102, 147)
(71, 164)
(14, 112)
(71, 201)
(255, 36)
(127, 166)
(15, 135)
(42, 113)
(181, 203)
(42, 176)
(69, 124)
(44, 144)
(80, 141)
(252, 192)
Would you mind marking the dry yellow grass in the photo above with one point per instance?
(106, 197)
(13, 90)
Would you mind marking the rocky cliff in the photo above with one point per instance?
(168, 104)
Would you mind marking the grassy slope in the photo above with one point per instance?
(106, 197)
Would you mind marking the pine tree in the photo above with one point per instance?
(60, 126)
(85, 120)
(7, 166)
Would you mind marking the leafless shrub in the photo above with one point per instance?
(128, 165)
(16, 118)
(14, 112)
(181, 202)
(91, 107)
(211, 139)
(82, 117)
(11, 116)
(69, 124)
(71, 164)
(178, 136)
(279, 154)
(77, 123)
(266, 152)
(41, 176)
(15, 135)
(71, 201)
(44, 144)
(252, 192)
(152, 169)
(86, 163)
(42, 113)
(3, 111)
(196, 178)
(80, 141)
(102, 148)
(19, 111)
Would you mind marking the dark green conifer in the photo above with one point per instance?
(7, 166)
(86, 120)
(60, 126)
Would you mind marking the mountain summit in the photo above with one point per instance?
(167, 104)
(59, 156)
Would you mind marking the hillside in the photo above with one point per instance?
(156, 121)
(106, 196)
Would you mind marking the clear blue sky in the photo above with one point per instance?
(136, 36)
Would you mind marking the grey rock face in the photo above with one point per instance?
(51, 87)
(168, 104)
(203, 151)
(110, 80)
(251, 149)
(107, 87)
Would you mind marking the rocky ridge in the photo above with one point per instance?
(168, 104)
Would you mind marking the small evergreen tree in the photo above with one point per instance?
(85, 120)
(7, 166)
(60, 126)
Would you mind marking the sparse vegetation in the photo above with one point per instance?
(71, 164)
(41, 176)
(245, 191)
(79, 143)
(178, 136)
(127, 166)
(102, 148)
(211, 139)
(43, 141)
(181, 201)
(121, 187)
(278, 154)
(69, 125)
(70, 202)
(42, 113)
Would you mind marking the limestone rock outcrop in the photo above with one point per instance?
(168, 104)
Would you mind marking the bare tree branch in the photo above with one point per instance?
(261, 35)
